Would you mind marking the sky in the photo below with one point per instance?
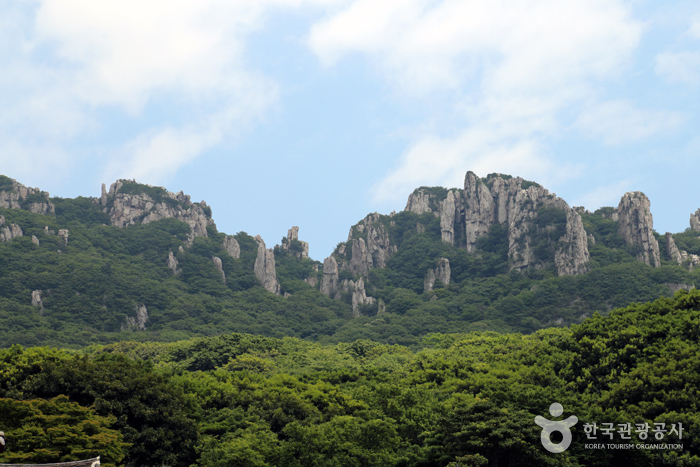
(317, 112)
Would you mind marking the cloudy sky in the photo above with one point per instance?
(316, 112)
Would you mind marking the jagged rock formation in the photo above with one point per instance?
(265, 267)
(36, 300)
(672, 249)
(18, 196)
(232, 247)
(35, 240)
(695, 221)
(8, 232)
(418, 202)
(441, 272)
(690, 260)
(513, 203)
(636, 226)
(359, 297)
(372, 252)
(329, 283)
(293, 236)
(571, 258)
(448, 208)
(219, 267)
(138, 322)
(126, 209)
(172, 264)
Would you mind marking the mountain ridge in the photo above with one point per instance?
(501, 254)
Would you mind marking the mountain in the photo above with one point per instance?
(503, 254)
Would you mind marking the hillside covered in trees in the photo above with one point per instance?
(457, 400)
(142, 263)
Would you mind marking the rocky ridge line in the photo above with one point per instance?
(126, 209)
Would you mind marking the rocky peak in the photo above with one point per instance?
(636, 226)
(370, 246)
(265, 269)
(301, 250)
(128, 203)
(513, 202)
(14, 195)
(695, 221)
(419, 201)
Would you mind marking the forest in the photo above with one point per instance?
(217, 371)
(455, 400)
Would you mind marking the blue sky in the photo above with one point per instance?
(317, 112)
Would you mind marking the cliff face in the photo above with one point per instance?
(14, 195)
(370, 246)
(513, 203)
(265, 269)
(128, 203)
(636, 226)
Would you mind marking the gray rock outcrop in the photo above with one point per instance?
(35, 240)
(36, 300)
(63, 235)
(636, 226)
(265, 267)
(513, 203)
(572, 255)
(219, 267)
(329, 283)
(172, 264)
(232, 247)
(33, 199)
(293, 236)
(442, 272)
(370, 245)
(418, 202)
(448, 208)
(672, 249)
(138, 322)
(126, 209)
(358, 295)
(695, 221)
(8, 232)
(429, 281)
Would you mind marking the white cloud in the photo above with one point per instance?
(694, 30)
(68, 63)
(619, 121)
(679, 67)
(513, 68)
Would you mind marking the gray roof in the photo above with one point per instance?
(95, 462)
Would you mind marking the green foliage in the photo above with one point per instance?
(57, 430)
(79, 210)
(5, 183)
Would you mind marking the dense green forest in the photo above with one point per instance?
(98, 280)
(454, 400)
